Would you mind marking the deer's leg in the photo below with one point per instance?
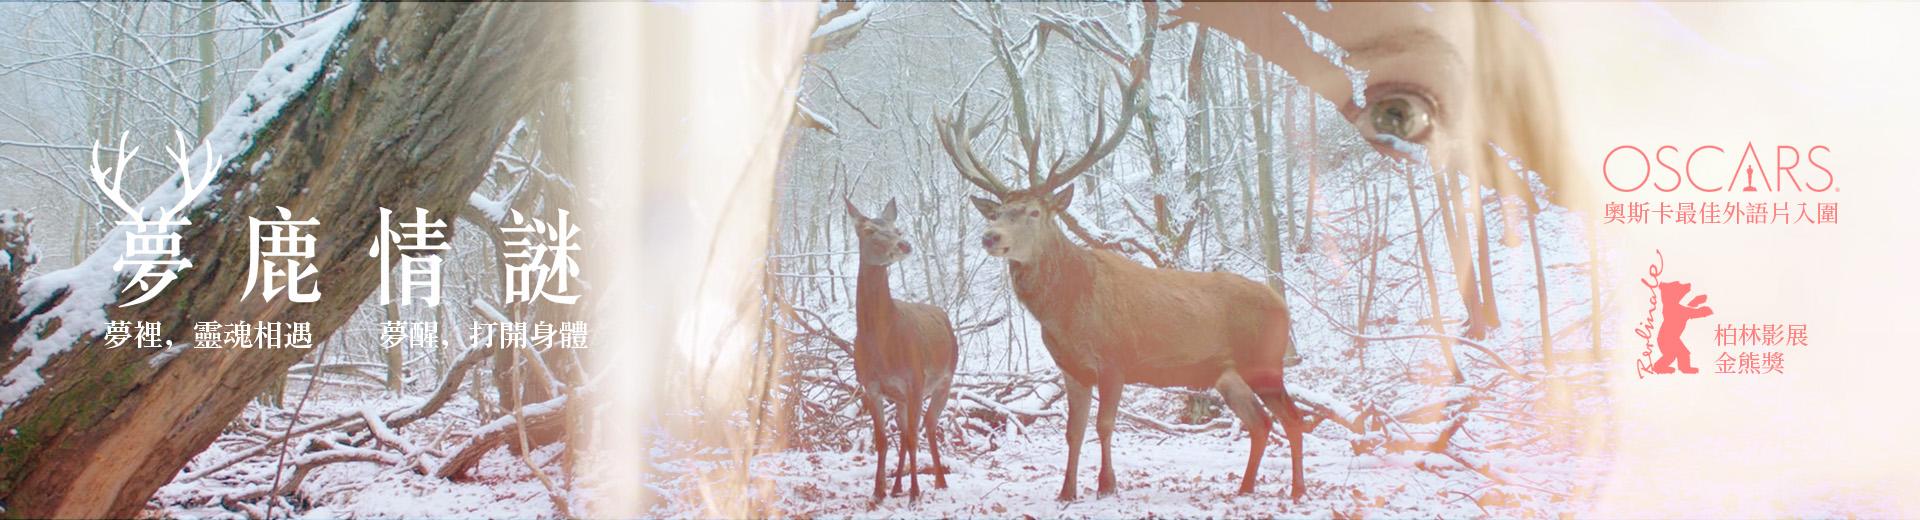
(1079, 397)
(1281, 403)
(878, 410)
(900, 461)
(910, 441)
(938, 405)
(899, 458)
(1110, 387)
(1241, 400)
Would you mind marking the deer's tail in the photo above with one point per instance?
(1270, 383)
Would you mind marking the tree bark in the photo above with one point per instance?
(206, 113)
(1312, 158)
(1263, 174)
(1453, 220)
(1438, 319)
(1260, 99)
(396, 356)
(412, 126)
(1376, 211)
(1540, 290)
(1489, 300)
(1289, 136)
(16, 257)
(1200, 123)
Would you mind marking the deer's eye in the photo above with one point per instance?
(1033, 213)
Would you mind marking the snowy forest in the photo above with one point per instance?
(1443, 320)
(1440, 312)
(288, 95)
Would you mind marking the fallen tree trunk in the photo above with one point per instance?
(544, 419)
(405, 108)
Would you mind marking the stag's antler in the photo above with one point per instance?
(1100, 144)
(956, 137)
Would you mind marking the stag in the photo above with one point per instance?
(903, 352)
(1108, 321)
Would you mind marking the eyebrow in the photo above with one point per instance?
(1402, 41)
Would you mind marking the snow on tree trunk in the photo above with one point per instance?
(401, 106)
(16, 256)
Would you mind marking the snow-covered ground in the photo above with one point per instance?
(1519, 440)
(1536, 451)
(1158, 475)
(501, 485)
(1161, 474)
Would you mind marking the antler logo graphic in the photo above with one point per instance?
(152, 244)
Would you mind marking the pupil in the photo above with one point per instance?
(1393, 118)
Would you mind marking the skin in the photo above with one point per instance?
(1478, 71)
(905, 352)
(1403, 49)
(1474, 74)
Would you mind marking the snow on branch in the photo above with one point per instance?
(810, 119)
(347, 422)
(77, 298)
(840, 22)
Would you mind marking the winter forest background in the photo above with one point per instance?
(367, 422)
(1448, 349)
(1446, 331)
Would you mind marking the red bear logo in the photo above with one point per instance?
(1673, 321)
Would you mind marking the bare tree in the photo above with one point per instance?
(107, 427)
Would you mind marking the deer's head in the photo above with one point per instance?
(1021, 221)
(880, 241)
(1019, 225)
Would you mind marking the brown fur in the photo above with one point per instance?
(1161, 327)
(904, 352)
(1108, 321)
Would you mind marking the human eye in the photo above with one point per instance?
(1396, 115)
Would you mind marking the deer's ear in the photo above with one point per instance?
(986, 207)
(854, 212)
(1062, 199)
(893, 210)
